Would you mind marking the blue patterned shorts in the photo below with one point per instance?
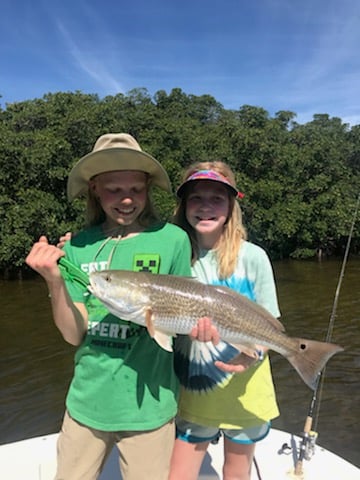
(194, 433)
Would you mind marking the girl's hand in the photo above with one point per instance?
(238, 364)
(205, 331)
(243, 361)
(63, 239)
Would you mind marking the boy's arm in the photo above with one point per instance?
(71, 319)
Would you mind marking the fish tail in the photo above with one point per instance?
(194, 363)
(310, 358)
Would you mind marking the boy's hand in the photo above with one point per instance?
(43, 258)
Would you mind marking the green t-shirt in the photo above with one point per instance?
(123, 380)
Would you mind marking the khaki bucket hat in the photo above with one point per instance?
(114, 151)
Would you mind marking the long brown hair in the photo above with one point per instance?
(228, 245)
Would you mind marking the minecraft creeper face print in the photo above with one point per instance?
(146, 262)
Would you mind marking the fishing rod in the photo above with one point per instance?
(309, 434)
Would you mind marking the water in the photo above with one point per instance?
(36, 364)
(306, 295)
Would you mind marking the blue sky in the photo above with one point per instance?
(298, 55)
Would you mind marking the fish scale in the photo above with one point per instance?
(191, 301)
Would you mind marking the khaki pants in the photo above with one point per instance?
(82, 452)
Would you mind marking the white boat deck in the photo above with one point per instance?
(35, 459)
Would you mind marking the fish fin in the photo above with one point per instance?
(242, 359)
(310, 358)
(163, 339)
(274, 322)
(249, 350)
(255, 307)
(149, 323)
(195, 363)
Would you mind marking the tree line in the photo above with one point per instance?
(301, 181)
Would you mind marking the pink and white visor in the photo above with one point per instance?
(208, 175)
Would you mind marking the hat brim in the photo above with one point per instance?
(113, 159)
(182, 189)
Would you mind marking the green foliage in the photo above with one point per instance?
(300, 182)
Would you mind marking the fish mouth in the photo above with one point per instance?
(92, 285)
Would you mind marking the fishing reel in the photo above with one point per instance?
(306, 448)
(304, 451)
(307, 445)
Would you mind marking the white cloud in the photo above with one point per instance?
(90, 63)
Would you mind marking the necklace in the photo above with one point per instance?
(116, 234)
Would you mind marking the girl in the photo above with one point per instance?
(124, 389)
(242, 409)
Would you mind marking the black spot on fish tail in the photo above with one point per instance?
(310, 358)
(195, 363)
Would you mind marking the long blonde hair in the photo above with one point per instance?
(234, 232)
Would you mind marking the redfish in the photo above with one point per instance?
(168, 305)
